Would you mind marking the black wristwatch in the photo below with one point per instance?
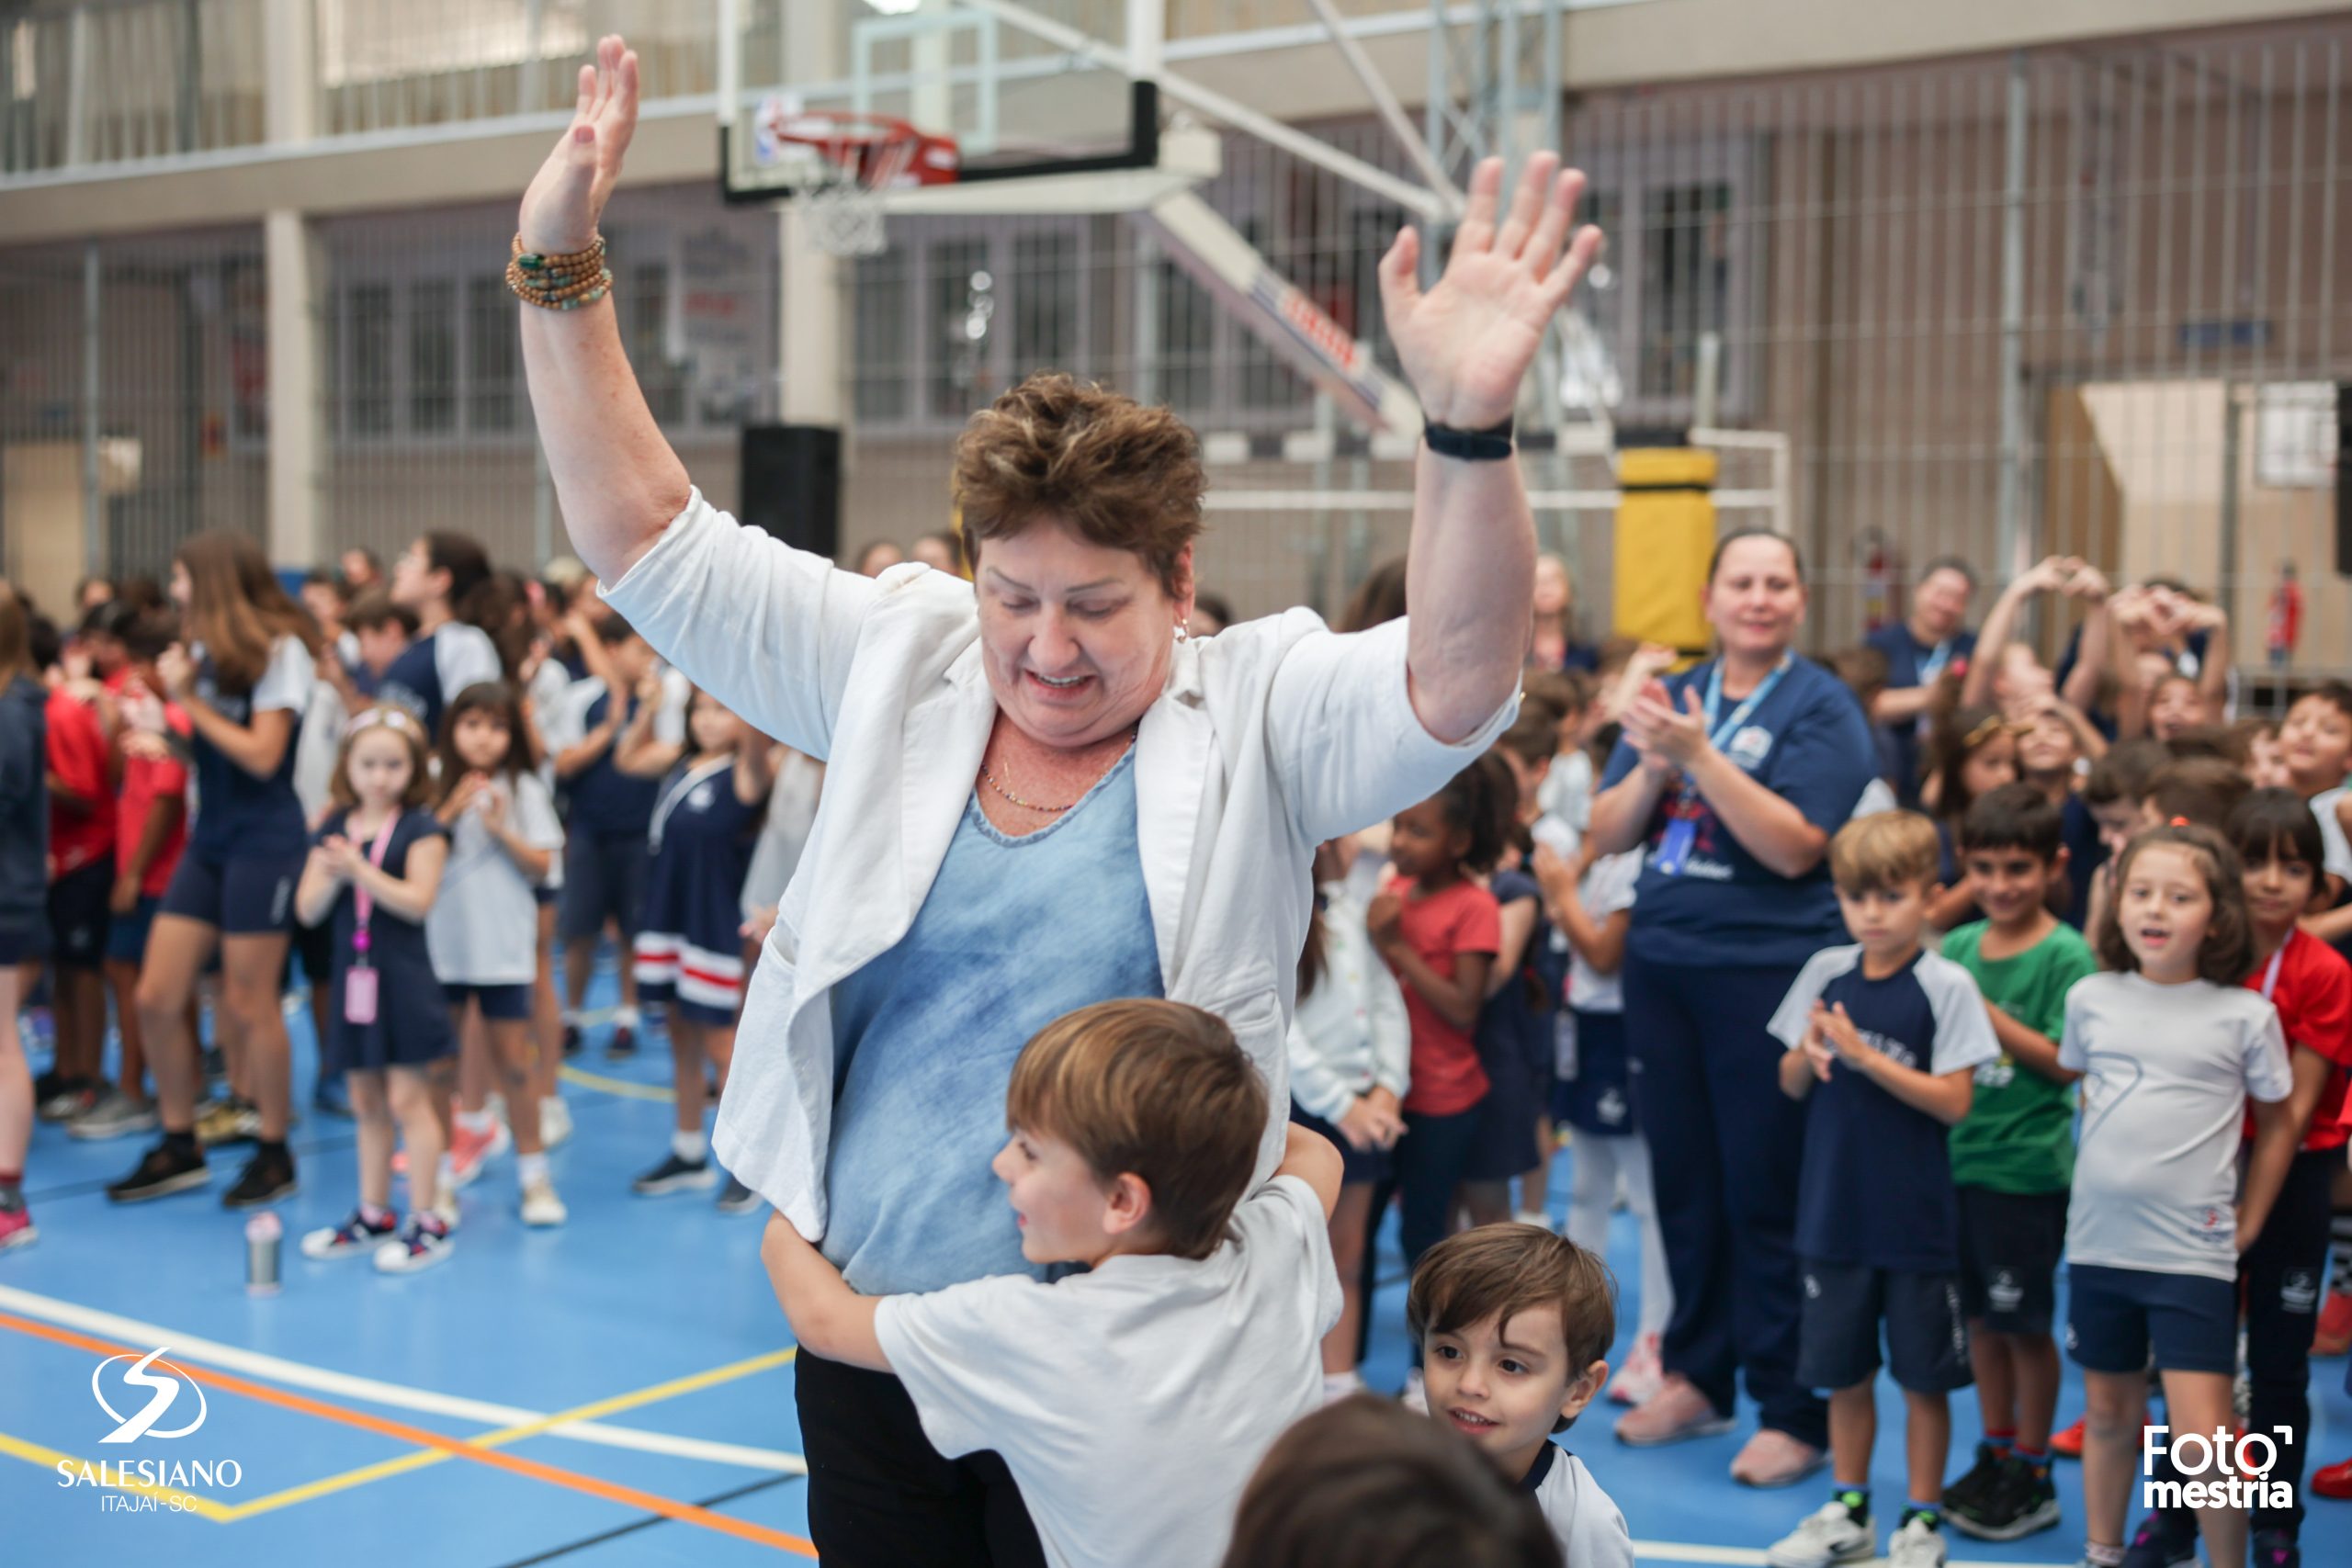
(1471, 445)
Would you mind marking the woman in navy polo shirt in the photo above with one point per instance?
(244, 678)
(1734, 775)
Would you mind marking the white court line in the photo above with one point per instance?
(319, 1380)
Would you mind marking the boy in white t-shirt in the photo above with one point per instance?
(1132, 1401)
(1515, 1325)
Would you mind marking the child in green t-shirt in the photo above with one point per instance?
(2013, 1156)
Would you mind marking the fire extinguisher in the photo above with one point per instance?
(1878, 579)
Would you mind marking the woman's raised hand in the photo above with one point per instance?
(1466, 343)
(568, 194)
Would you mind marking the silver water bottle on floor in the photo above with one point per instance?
(265, 1237)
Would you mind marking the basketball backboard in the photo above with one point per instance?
(1028, 91)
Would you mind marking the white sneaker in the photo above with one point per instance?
(417, 1247)
(1415, 1398)
(555, 1122)
(445, 1208)
(1639, 1378)
(1916, 1545)
(1829, 1535)
(540, 1204)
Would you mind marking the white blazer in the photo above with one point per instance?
(1269, 738)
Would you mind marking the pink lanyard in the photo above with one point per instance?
(360, 941)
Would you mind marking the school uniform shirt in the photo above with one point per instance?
(2336, 855)
(484, 927)
(1350, 1035)
(1808, 743)
(2018, 1135)
(602, 801)
(145, 781)
(23, 805)
(1876, 1184)
(1265, 740)
(1911, 664)
(1440, 926)
(430, 672)
(237, 813)
(1131, 1403)
(2166, 1073)
(318, 748)
(2311, 988)
(78, 757)
(1584, 1520)
(1607, 889)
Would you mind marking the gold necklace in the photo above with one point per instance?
(990, 780)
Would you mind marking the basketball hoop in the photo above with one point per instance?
(860, 158)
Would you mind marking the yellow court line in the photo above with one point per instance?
(387, 1469)
(50, 1458)
(622, 1087)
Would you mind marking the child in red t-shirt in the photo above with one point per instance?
(150, 821)
(1439, 929)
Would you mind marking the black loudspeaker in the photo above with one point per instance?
(2344, 478)
(792, 484)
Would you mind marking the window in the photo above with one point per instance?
(1686, 283)
(433, 356)
(963, 312)
(493, 354)
(881, 351)
(1187, 341)
(1044, 302)
(371, 360)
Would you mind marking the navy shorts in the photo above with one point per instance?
(238, 895)
(1355, 1165)
(1927, 1340)
(500, 1004)
(20, 942)
(2116, 1318)
(2009, 1247)
(78, 914)
(603, 879)
(1600, 1098)
(127, 933)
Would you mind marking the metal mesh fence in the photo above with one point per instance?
(2084, 299)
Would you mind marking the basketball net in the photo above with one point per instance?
(841, 205)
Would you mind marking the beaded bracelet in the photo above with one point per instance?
(560, 282)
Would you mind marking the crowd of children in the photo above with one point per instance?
(2091, 1018)
(410, 779)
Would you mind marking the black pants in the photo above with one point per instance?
(2281, 1281)
(880, 1496)
(1725, 1145)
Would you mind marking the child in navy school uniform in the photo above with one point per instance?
(1883, 1040)
(689, 950)
(1515, 1324)
(24, 884)
(375, 871)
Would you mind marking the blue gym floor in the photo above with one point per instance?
(382, 1420)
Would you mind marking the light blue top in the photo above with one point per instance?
(1014, 933)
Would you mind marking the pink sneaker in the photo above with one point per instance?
(16, 1228)
(1638, 1380)
(1676, 1413)
(467, 1152)
(1775, 1459)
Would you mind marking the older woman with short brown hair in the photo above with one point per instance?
(1040, 793)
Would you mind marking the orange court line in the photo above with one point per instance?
(401, 1431)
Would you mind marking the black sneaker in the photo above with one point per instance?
(264, 1180)
(571, 1040)
(622, 1043)
(1962, 1496)
(737, 1198)
(161, 1173)
(676, 1175)
(2276, 1549)
(2164, 1539)
(2020, 1500)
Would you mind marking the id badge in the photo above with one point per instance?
(359, 995)
(1674, 850)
